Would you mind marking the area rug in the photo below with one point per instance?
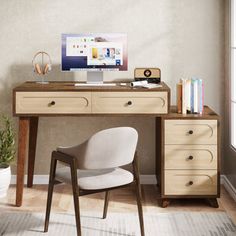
(119, 224)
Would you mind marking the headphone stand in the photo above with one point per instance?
(42, 81)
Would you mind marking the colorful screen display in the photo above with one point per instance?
(94, 52)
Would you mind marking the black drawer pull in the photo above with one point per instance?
(190, 157)
(52, 103)
(190, 132)
(129, 103)
(190, 183)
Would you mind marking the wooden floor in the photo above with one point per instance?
(122, 200)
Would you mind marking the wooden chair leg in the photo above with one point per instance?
(106, 204)
(138, 194)
(50, 192)
(49, 204)
(75, 189)
(140, 209)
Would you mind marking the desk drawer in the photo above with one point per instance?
(130, 102)
(190, 132)
(52, 102)
(190, 156)
(189, 182)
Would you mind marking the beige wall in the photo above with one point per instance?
(182, 37)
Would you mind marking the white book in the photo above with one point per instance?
(183, 96)
(195, 98)
(188, 95)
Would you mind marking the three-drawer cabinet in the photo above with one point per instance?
(188, 156)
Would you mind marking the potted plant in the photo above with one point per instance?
(7, 153)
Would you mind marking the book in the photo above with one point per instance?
(179, 97)
(200, 99)
(190, 96)
(195, 96)
(183, 96)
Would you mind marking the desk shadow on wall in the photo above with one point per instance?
(68, 131)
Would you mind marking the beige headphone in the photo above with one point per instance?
(42, 68)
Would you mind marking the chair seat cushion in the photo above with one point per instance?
(97, 179)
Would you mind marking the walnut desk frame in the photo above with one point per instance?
(196, 178)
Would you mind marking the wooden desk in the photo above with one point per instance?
(32, 100)
(187, 146)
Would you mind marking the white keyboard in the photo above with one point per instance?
(94, 85)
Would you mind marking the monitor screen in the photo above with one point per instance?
(94, 52)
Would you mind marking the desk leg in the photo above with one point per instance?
(33, 130)
(22, 144)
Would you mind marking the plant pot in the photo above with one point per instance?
(5, 179)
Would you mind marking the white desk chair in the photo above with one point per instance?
(94, 166)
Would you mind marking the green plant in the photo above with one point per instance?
(7, 142)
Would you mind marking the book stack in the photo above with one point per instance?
(190, 95)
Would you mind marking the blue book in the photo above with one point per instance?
(192, 95)
(200, 96)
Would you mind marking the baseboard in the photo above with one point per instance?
(228, 186)
(43, 179)
(148, 179)
(38, 179)
(144, 179)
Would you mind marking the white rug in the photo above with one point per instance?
(120, 224)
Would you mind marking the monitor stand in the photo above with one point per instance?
(94, 77)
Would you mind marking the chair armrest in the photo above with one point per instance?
(65, 158)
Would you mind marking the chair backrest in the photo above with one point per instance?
(106, 149)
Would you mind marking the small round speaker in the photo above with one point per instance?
(147, 73)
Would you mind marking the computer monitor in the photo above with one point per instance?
(94, 53)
